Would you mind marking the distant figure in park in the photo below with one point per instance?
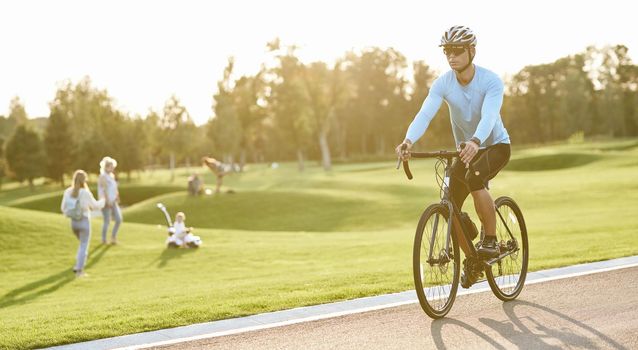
(218, 168)
(107, 189)
(181, 236)
(77, 203)
(194, 185)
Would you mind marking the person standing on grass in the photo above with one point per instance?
(77, 203)
(107, 189)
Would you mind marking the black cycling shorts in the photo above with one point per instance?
(485, 165)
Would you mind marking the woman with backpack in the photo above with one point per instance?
(77, 203)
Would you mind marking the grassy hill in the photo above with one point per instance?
(285, 239)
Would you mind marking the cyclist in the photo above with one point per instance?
(474, 96)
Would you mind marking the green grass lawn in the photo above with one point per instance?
(285, 239)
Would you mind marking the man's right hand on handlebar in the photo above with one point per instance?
(403, 150)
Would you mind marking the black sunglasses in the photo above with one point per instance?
(455, 50)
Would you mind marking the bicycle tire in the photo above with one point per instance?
(509, 284)
(435, 295)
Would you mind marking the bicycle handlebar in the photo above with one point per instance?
(423, 155)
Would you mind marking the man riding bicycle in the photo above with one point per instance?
(474, 96)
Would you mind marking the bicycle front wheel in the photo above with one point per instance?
(435, 261)
(507, 276)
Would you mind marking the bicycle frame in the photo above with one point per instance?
(447, 157)
(446, 200)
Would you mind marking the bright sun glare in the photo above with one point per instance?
(142, 52)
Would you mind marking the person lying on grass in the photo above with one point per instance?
(180, 235)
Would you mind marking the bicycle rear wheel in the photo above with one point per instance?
(507, 276)
(435, 262)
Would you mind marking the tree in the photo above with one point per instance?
(131, 148)
(574, 97)
(95, 125)
(617, 79)
(153, 133)
(59, 146)
(379, 97)
(17, 115)
(16, 111)
(224, 129)
(239, 112)
(289, 115)
(326, 91)
(2, 166)
(552, 101)
(24, 154)
(177, 128)
(248, 99)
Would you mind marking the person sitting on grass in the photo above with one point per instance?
(195, 185)
(218, 168)
(180, 235)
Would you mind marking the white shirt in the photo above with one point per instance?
(107, 187)
(87, 201)
(180, 230)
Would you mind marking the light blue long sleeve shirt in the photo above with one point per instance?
(475, 109)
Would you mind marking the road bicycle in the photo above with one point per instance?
(436, 255)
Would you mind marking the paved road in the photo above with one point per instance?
(598, 311)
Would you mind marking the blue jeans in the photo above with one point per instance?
(117, 216)
(82, 230)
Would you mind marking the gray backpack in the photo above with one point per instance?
(75, 213)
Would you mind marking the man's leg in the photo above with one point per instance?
(484, 205)
(456, 229)
(486, 166)
(458, 193)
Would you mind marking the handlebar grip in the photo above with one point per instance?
(406, 168)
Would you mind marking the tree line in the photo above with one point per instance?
(356, 108)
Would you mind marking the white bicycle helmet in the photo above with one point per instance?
(458, 35)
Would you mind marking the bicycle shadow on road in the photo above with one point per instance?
(437, 332)
(536, 334)
(528, 329)
(32, 290)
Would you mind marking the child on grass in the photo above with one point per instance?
(181, 235)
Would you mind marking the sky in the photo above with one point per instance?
(143, 52)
